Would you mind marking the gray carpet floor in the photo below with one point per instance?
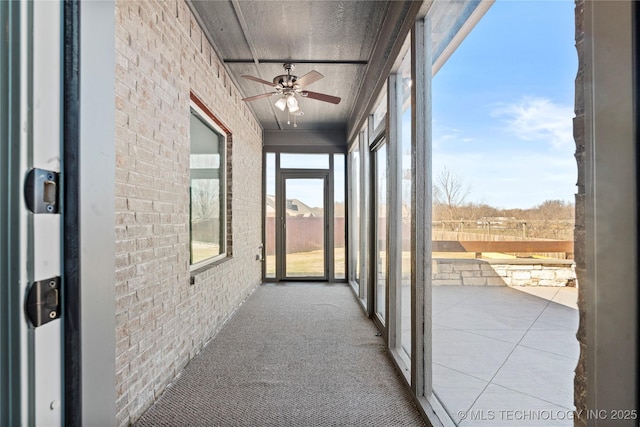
(294, 355)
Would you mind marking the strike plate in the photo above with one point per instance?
(41, 191)
(43, 301)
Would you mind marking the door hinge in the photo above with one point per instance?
(41, 191)
(43, 301)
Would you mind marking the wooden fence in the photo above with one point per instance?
(305, 234)
(505, 246)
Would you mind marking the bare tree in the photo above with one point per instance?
(552, 219)
(450, 193)
(205, 197)
(554, 210)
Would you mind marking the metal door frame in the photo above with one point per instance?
(11, 388)
(281, 176)
(379, 141)
(34, 237)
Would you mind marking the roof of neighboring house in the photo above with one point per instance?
(295, 207)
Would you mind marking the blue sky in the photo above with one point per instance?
(503, 106)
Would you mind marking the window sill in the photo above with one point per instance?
(201, 269)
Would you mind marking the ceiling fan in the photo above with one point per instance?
(289, 86)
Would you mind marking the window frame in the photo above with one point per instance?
(197, 108)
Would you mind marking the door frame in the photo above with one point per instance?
(32, 360)
(281, 200)
(378, 142)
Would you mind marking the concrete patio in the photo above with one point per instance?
(505, 355)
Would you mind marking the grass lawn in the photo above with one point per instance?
(307, 264)
(310, 264)
(203, 250)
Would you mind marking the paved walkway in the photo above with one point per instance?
(505, 355)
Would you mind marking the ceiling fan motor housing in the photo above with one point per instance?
(286, 80)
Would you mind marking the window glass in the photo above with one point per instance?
(405, 226)
(503, 172)
(339, 216)
(270, 216)
(363, 222)
(304, 161)
(354, 224)
(305, 227)
(207, 190)
(380, 113)
(380, 278)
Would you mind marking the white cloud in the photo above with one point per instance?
(446, 135)
(538, 119)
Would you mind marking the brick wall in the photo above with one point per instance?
(162, 321)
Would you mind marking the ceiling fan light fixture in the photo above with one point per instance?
(281, 103)
(292, 103)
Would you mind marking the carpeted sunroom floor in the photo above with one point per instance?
(293, 355)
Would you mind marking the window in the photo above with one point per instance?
(339, 212)
(380, 112)
(270, 216)
(354, 218)
(404, 175)
(304, 161)
(208, 196)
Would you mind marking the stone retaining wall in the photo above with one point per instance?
(478, 272)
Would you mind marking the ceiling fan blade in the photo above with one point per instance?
(307, 79)
(256, 79)
(253, 98)
(321, 97)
